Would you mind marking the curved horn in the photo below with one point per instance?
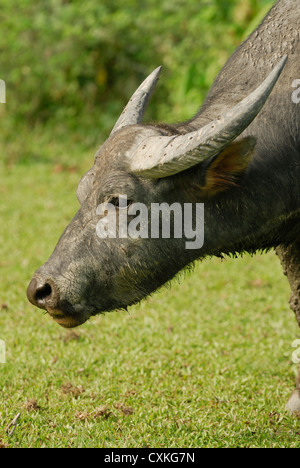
(136, 107)
(164, 156)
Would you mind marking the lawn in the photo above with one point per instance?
(205, 362)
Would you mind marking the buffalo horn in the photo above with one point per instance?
(136, 107)
(156, 157)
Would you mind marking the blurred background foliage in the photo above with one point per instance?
(70, 66)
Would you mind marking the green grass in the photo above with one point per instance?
(205, 363)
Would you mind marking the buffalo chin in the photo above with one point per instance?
(66, 321)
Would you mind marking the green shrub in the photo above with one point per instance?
(76, 63)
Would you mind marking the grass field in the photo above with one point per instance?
(205, 363)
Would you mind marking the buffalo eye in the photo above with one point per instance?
(120, 202)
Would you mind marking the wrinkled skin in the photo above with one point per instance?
(93, 275)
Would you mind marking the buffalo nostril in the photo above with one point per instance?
(43, 292)
(39, 293)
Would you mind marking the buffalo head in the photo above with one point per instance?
(141, 164)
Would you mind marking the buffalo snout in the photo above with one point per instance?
(42, 294)
(45, 295)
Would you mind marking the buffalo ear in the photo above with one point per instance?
(225, 169)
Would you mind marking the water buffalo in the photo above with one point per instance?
(239, 156)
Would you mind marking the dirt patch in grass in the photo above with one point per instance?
(101, 411)
(70, 389)
(124, 409)
(31, 405)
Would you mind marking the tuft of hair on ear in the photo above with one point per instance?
(225, 169)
